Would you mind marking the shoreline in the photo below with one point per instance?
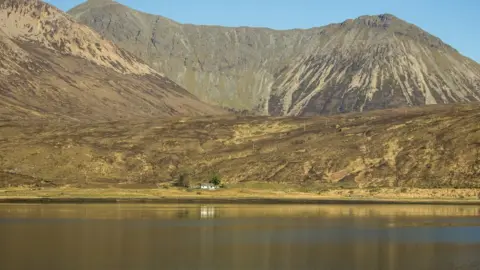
(195, 200)
(387, 196)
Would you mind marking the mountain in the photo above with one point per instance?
(53, 67)
(370, 62)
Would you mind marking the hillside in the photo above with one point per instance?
(53, 67)
(371, 62)
(430, 147)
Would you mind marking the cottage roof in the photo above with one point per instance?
(208, 184)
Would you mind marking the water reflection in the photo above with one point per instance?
(207, 211)
(158, 211)
(238, 237)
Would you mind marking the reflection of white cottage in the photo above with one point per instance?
(208, 186)
(207, 211)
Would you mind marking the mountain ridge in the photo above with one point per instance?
(102, 3)
(248, 68)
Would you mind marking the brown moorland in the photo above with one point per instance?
(429, 147)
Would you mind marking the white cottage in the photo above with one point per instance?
(208, 186)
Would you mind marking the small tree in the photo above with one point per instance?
(215, 180)
(183, 179)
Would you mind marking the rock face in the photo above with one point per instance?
(52, 66)
(368, 63)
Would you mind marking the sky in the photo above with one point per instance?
(456, 22)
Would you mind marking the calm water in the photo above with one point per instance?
(238, 237)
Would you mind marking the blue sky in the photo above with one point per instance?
(456, 22)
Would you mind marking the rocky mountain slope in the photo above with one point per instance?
(367, 63)
(433, 146)
(51, 66)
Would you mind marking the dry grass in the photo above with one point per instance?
(429, 147)
(257, 192)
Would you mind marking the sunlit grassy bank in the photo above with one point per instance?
(245, 194)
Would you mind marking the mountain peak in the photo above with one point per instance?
(381, 17)
(397, 28)
(37, 21)
(54, 67)
(385, 21)
(100, 2)
(377, 19)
